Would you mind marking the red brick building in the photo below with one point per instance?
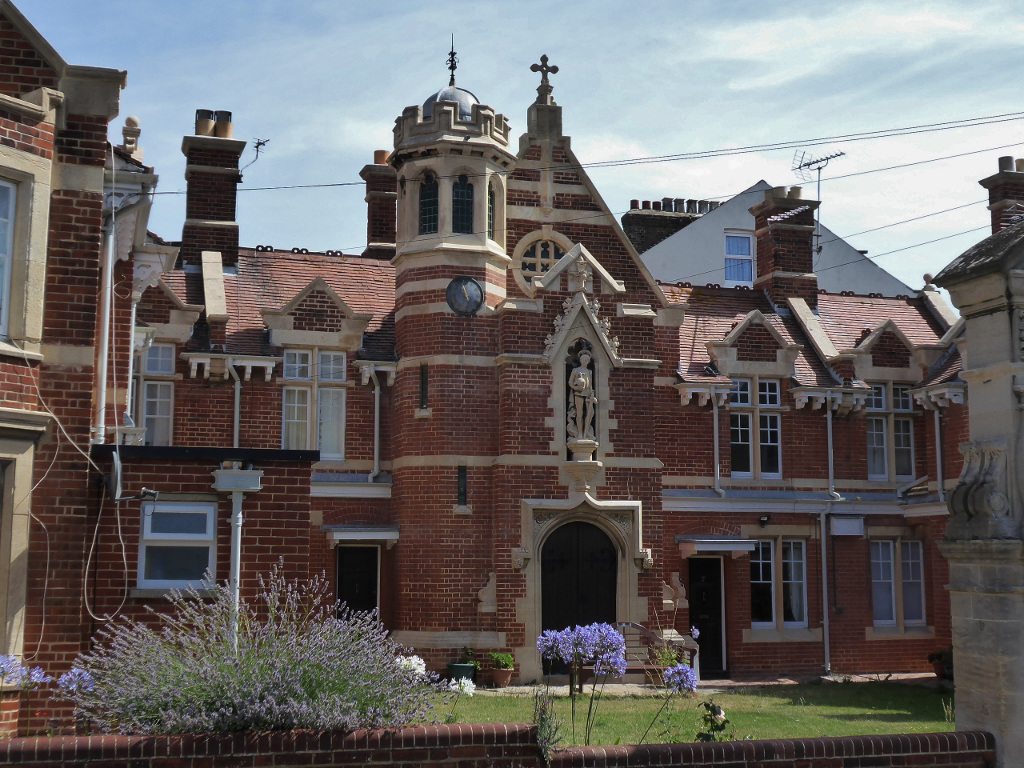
(491, 422)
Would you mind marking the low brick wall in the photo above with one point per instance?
(964, 749)
(492, 745)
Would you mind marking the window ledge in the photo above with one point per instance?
(22, 354)
(165, 591)
(788, 635)
(894, 633)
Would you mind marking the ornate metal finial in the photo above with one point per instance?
(544, 89)
(453, 62)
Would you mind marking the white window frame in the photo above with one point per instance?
(321, 377)
(760, 420)
(765, 546)
(778, 564)
(900, 556)
(727, 257)
(155, 385)
(149, 538)
(7, 256)
(889, 428)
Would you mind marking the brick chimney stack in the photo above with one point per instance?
(784, 227)
(1005, 192)
(212, 177)
(381, 207)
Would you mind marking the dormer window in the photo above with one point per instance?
(739, 264)
(428, 204)
(462, 206)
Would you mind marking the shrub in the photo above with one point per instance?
(301, 662)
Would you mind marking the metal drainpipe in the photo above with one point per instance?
(236, 561)
(99, 429)
(238, 399)
(938, 454)
(824, 586)
(718, 473)
(129, 405)
(376, 425)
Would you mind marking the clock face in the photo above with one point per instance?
(465, 296)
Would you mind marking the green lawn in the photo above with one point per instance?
(782, 711)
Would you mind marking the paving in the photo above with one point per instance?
(718, 686)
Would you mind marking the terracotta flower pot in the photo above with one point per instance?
(502, 677)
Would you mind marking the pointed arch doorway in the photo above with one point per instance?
(579, 568)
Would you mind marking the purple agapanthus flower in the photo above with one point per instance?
(681, 679)
(14, 672)
(76, 680)
(599, 644)
(694, 633)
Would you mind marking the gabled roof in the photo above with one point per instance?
(849, 319)
(712, 314)
(270, 280)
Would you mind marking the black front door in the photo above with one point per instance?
(578, 570)
(705, 600)
(357, 577)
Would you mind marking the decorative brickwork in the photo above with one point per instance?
(890, 352)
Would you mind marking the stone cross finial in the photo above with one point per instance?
(544, 89)
(453, 62)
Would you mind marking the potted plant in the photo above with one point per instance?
(942, 662)
(465, 668)
(504, 665)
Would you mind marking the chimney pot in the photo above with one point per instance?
(680, 205)
(1019, 165)
(666, 203)
(646, 205)
(222, 127)
(204, 122)
(657, 205)
(380, 157)
(691, 206)
(634, 204)
(795, 192)
(779, 191)
(1006, 163)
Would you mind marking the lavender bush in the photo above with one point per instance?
(300, 663)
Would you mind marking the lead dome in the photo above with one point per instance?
(465, 99)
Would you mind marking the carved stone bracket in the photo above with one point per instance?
(645, 559)
(980, 503)
(520, 557)
(488, 595)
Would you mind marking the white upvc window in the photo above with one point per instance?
(155, 394)
(8, 195)
(739, 259)
(897, 582)
(889, 427)
(755, 452)
(313, 413)
(778, 596)
(177, 545)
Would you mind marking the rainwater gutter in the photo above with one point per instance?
(238, 400)
(938, 455)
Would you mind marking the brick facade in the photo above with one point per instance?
(453, 444)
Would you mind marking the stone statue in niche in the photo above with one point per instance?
(584, 401)
(581, 404)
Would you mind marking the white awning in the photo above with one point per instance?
(370, 533)
(691, 545)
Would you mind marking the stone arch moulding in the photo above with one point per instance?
(622, 521)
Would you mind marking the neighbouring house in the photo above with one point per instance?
(706, 242)
(492, 421)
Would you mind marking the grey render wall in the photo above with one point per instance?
(696, 254)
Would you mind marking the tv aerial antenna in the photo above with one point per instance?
(805, 166)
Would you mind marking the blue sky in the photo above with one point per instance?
(323, 80)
